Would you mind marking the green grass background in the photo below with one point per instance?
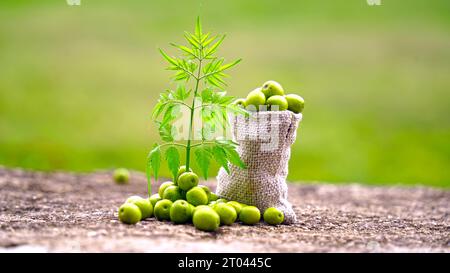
(77, 84)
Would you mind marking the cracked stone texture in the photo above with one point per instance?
(68, 212)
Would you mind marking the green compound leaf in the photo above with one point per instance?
(192, 40)
(198, 28)
(203, 159)
(172, 112)
(167, 132)
(221, 157)
(187, 50)
(210, 51)
(168, 58)
(158, 109)
(181, 93)
(227, 66)
(153, 164)
(173, 160)
(233, 156)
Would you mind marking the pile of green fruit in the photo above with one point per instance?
(271, 97)
(183, 201)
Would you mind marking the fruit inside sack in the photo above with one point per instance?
(271, 96)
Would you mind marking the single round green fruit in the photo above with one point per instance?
(180, 212)
(207, 191)
(250, 215)
(295, 103)
(197, 196)
(187, 180)
(154, 198)
(206, 219)
(213, 197)
(197, 208)
(144, 205)
(255, 98)
(236, 205)
(129, 213)
(226, 213)
(273, 216)
(272, 88)
(181, 170)
(162, 209)
(277, 103)
(164, 186)
(121, 176)
(239, 102)
(173, 193)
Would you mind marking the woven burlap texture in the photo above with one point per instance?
(265, 140)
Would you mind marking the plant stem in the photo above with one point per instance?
(173, 144)
(188, 146)
(202, 143)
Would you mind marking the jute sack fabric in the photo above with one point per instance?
(265, 140)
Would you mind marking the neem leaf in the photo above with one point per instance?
(203, 159)
(168, 58)
(221, 157)
(198, 28)
(233, 156)
(214, 47)
(192, 40)
(153, 162)
(167, 132)
(172, 112)
(181, 93)
(157, 110)
(173, 160)
(225, 67)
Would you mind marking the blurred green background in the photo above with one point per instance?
(77, 84)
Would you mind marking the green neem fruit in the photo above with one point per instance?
(197, 208)
(239, 102)
(255, 98)
(121, 176)
(207, 191)
(163, 187)
(277, 103)
(273, 216)
(206, 219)
(197, 196)
(295, 103)
(213, 197)
(226, 213)
(250, 215)
(187, 180)
(181, 170)
(272, 88)
(180, 212)
(236, 205)
(154, 198)
(162, 209)
(144, 205)
(173, 193)
(221, 200)
(129, 213)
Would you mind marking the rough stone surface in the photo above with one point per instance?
(61, 212)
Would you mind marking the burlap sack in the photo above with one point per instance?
(265, 140)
